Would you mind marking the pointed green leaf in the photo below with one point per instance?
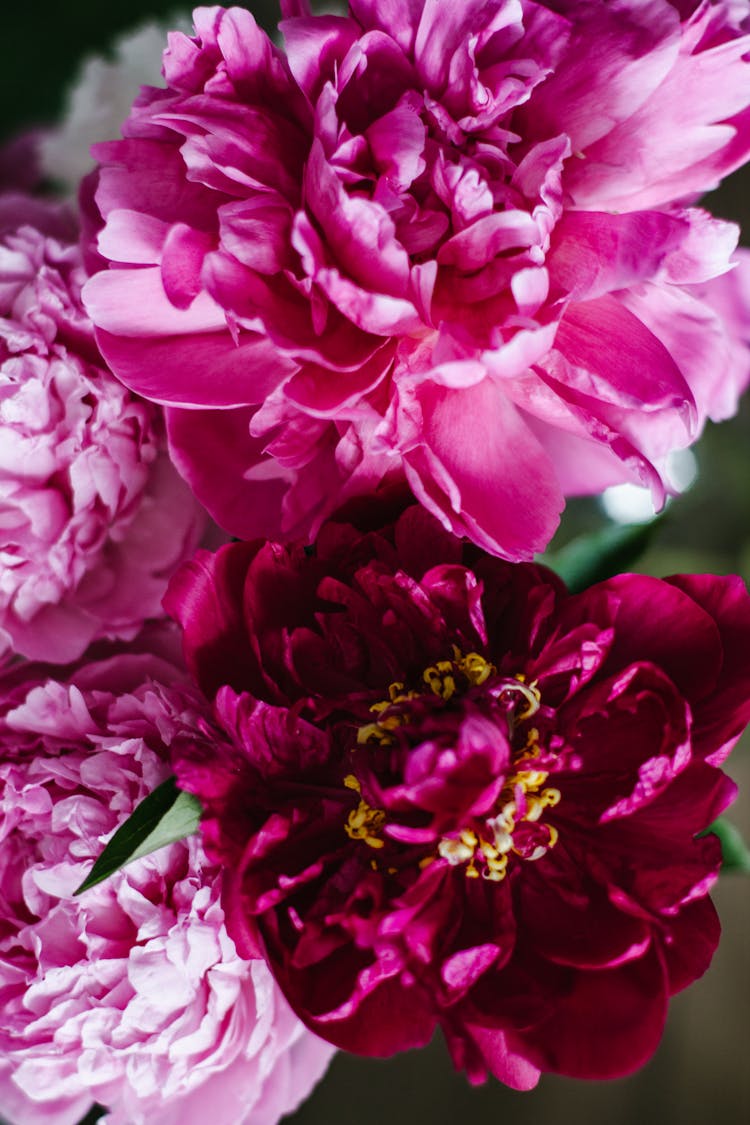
(735, 854)
(601, 554)
(166, 815)
(94, 1114)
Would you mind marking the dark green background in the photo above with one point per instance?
(701, 1073)
(43, 42)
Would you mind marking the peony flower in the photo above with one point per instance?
(435, 243)
(93, 516)
(133, 995)
(452, 795)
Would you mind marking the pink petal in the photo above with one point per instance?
(225, 468)
(134, 303)
(612, 357)
(182, 261)
(594, 252)
(616, 57)
(315, 47)
(693, 130)
(205, 369)
(506, 502)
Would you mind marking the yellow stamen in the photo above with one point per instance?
(376, 732)
(501, 827)
(473, 665)
(532, 748)
(531, 694)
(529, 779)
(458, 851)
(488, 854)
(363, 821)
(440, 679)
(495, 869)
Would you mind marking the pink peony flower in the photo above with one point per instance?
(133, 995)
(453, 795)
(93, 516)
(433, 242)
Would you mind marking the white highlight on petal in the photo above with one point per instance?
(630, 503)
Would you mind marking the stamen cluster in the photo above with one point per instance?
(489, 841)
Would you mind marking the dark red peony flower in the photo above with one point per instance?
(451, 794)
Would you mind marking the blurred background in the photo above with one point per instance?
(701, 1073)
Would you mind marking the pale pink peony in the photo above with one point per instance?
(443, 244)
(133, 995)
(93, 518)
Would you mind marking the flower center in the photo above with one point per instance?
(514, 826)
(444, 680)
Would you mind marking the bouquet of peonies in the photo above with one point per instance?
(300, 749)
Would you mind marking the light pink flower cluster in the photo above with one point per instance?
(133, 995)
(436, 243)
(93, 517)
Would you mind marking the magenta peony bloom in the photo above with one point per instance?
(93, 517)
(453, 795)
(439, 243)
(132, 995)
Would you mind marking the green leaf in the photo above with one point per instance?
(735, 854)
(94, 1114)
(601, 554)
(166, 815)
